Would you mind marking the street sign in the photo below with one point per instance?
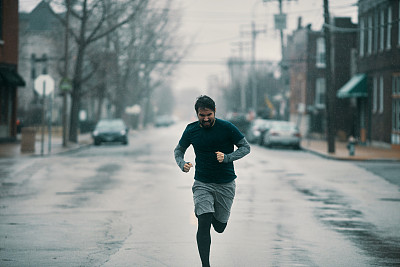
(65, 85)
(44, 84)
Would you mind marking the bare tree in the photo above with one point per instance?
(130, 62)
(105, 64)
(148, 49)
(164, 99)
(88, 25)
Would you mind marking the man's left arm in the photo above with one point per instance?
(243, 148)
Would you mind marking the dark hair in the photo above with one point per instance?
(204, 101)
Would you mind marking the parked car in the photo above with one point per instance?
(240, 120)
(164, 121)
(283, 133)
(257, 129)
(113, 130)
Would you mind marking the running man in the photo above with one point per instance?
(213, 190)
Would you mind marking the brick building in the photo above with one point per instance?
(9, 77)
(307, 70)
(379, 61)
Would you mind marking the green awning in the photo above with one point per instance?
(356, 87)
(9, 77)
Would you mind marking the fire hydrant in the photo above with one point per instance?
(351, 145)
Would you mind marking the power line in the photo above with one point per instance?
(245, 16)
(216, 62)
(217, 41)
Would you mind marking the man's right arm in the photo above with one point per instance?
(179, 153)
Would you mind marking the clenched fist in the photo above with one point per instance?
(220, 156)
(187, 166)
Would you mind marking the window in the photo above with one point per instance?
(362, 28)
(398, 26)
(5, 105)
(396, 85)
(320, 89)
(381, 102)
(376, 31)
(375, 95)
(370, 34)
(389, 29)
(321, 53)
(382, 33)
(396, 109)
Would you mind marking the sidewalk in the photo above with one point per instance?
(362, 152)
(13, 149)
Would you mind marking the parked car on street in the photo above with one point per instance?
(283, 133)
(239, 119)
(164, 121)
(113, 130)
(257, 129)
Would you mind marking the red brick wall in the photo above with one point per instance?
(9, 49)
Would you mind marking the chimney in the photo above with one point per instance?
(299, 21)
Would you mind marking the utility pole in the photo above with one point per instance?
(65, 78)
(330, 94)
(240, 78)
(284, 74)
(254, 32)
(253, 68)
(280, 23)
(281, 33)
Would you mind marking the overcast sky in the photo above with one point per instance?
(217, 26)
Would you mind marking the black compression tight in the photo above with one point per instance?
(203, 235)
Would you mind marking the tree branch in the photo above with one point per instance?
(94, 38)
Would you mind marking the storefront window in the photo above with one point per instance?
(381, 90)
(375, 95)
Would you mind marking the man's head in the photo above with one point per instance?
(205, 109)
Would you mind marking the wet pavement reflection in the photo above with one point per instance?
(336, 213)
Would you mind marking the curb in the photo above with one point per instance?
(323, 155)
(64, 151)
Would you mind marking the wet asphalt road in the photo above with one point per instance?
(130, 205)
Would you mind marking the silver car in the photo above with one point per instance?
(256, 130)
(283, 133)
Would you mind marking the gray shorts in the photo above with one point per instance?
(214, 198)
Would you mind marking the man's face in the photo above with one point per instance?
(206, 117)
